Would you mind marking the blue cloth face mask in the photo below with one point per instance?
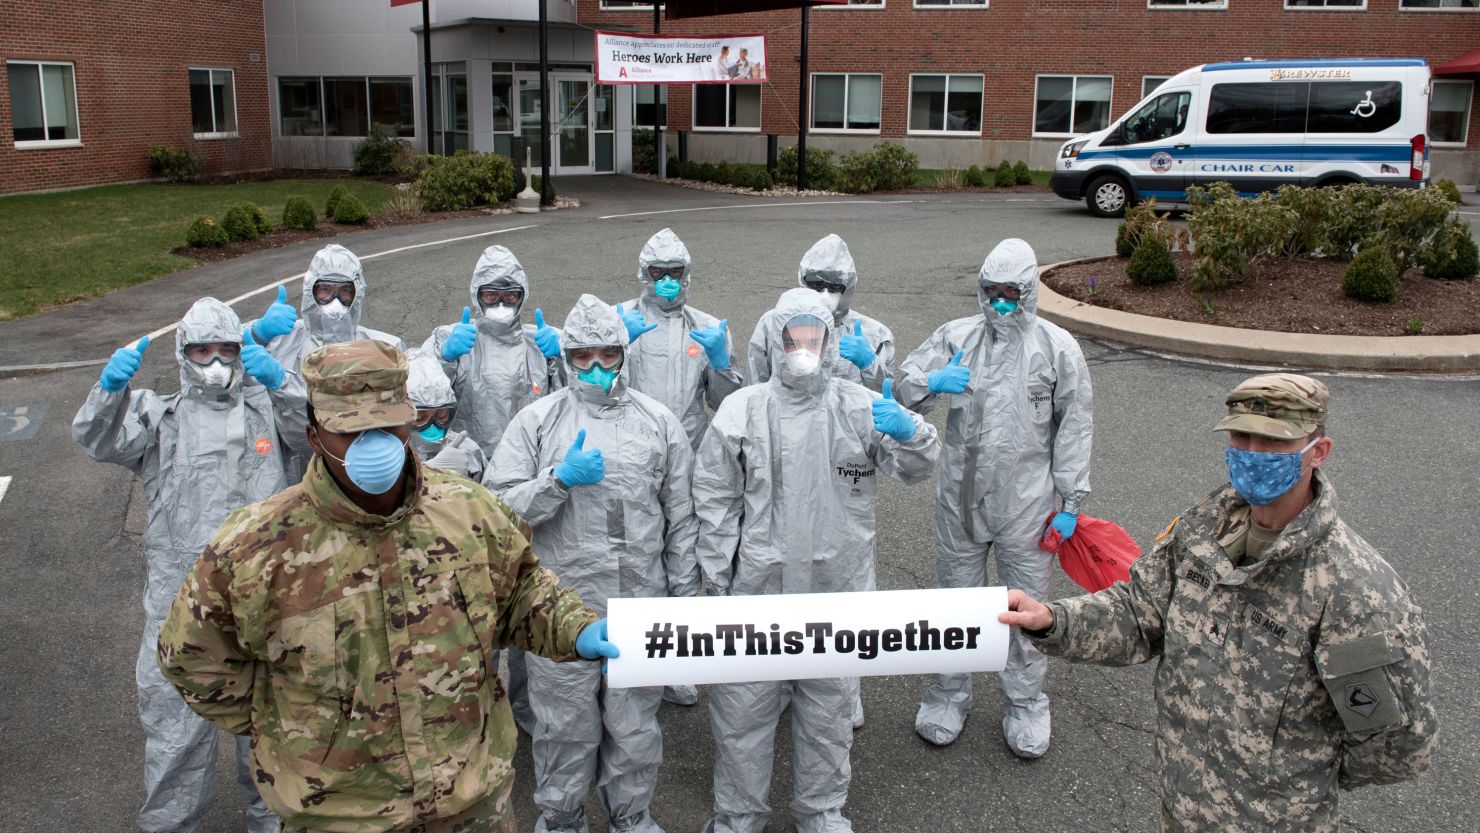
(1260, 477)
(1003, 306)
(432, 433)
(374, 461)
(599, 376)
(667, 288)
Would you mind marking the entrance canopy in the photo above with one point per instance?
(1466, 64)
(679, 9)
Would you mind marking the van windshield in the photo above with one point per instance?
(1161, 118)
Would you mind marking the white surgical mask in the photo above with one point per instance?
(831, 299)
(216, 375)
(335, 310)
(501, 314)
(803, 362)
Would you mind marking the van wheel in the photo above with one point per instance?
(1107, 197)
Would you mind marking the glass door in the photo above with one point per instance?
(529, 116)
(573, 107)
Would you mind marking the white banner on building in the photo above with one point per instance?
(625, 58)
(731, 639)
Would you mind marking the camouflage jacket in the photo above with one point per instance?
(1278, 679)
(357, 649)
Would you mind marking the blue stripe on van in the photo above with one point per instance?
(1325, 62)
(1344, 153)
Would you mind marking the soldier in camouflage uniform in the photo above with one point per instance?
(351, 634)
(1291, 659)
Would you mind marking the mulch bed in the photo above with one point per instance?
(1293, 296)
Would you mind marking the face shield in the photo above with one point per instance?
(804, 338)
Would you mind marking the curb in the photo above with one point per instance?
(1442, 354)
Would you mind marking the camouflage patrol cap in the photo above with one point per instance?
(358, 385)
(1282, 406)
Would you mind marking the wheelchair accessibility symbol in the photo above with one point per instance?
(1366, 107)
(1161, 162)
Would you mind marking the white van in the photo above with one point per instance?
(1257, 125)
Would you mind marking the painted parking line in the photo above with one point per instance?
(4, 486)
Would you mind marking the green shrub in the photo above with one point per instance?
(1314, 210)
(1232, 233)
(678, 170)
(205, 232)
(1021, 175)
(538, 185)
(1354, 218)
(1449, 190)
(1004, 177)
(259, 218)
(643, 157)
(822, 171)
(1124, 247)
(1407, 218)
(894, 166)
(339, 193)
(1372, 275)
(756, 179)
(974, 177)
(350, 211)
(174, 164)
(1451, 254)
(1141, 222)
(298, 214)
(1152, 262)
(466, 179)
(381, 152)
(856, 173)
(414, 165)
(238, 224)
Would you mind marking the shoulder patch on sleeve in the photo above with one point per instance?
(1168, 531)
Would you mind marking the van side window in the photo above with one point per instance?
(1354, 106)
(1162, 118)
(1258, 108)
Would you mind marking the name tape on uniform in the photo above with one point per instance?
(734, 639)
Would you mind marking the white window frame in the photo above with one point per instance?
(941, 4)
(1403, 8)
(868, 4)
(847, 91)
(694, 108)
(910, 95)
(222, 134)
(1326, 8)
(1144, 92)
(76, 114)
(1188, 6)
(646, 7)
(1469, 111)
(1073, 99)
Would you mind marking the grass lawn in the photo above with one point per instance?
(927, 178)
(70, 245)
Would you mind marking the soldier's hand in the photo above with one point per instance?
(1024, 611)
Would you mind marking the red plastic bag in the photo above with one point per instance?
(1099, 554)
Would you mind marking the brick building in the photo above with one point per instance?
(92, 85)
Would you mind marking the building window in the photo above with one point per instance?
(627, 5)
(1186, 4)
(1149, 83)
(946, 4)
(1449, 112)
(876, 4)
(642, 104)
(945, 104)
(1071, 105)
(345, 107)
(1341, 5)
(846, 102)
(1442, 5)
(727, 106)
(212, 103)
(43, 104)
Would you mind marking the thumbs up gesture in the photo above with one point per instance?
(122, 366)
(581, 467)
(636, 326)
(855, 348)
(260, 363)
(716, 345)
(950, 379)
(460, 341)
(278, 320)
(890, 417)
(545, 336)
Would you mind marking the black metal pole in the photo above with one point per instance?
(803, 117)
(657, 96)
(547, 196)
(426, 66)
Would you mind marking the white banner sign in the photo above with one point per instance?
(623, 58)
(733, 639)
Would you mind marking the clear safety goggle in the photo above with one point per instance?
(441, 417)
(203, 353)
(1005, 291)
(658, 271)
(582, 358)
(489, 296)
(326, 291)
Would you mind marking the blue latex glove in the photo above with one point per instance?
(545, 336)
(855, 348)
(460, 341)
(592, 643)
(277, 321)
(1064, 524)
(260, 363)
(122, 366)
(950, 379)
(716, 346)
(636, 326)
(581, 467)
(890, 417)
